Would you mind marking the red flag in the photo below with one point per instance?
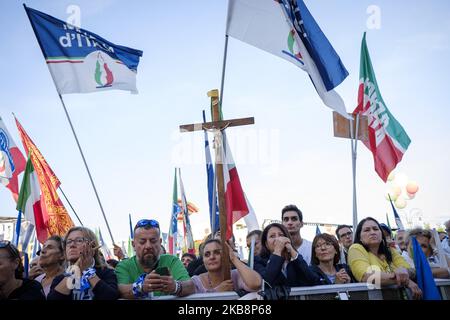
(54, 215)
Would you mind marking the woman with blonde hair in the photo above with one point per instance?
(89, 277)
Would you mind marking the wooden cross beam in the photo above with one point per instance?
(219, 124)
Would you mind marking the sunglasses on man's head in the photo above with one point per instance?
(147, 223)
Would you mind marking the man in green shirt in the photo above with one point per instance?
(149, 272)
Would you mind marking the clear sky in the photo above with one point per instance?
(132, 142)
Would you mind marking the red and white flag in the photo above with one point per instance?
(236, 202)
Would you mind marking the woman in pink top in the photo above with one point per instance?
(212, 281)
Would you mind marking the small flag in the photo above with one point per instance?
(81, 61)
(424, 276)
(131, 226)
(29, 201)
(17, 233)
(212, 198)
(388, 140)
(173, 227)
(12, 162)
(398, 221)
(318, 230)
(189, 237)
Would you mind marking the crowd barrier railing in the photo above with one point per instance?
(351, 291)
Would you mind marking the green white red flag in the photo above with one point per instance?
(388, 141)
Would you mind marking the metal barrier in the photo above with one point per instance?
(351, 291)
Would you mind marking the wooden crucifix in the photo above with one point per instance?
(220, 125)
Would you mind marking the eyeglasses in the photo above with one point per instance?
(215, 252)
(324, 244)
(347, 234)
(147, 223)
(77, 241)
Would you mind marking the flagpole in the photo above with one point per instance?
(354, 144)
(87, 168)
(224, 63)
(70, 205)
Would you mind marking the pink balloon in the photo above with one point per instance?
(412, 187)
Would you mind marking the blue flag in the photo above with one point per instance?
(425, 279)
(81, 61)
(18, 225)
(398, 221)
(318, 230)
(131, 226)
(327, 61)
(212, 199)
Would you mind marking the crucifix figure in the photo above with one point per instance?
(218, 125)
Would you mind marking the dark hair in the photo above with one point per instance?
(342, 226)
(14, 254)
(254, 233)
(292, 207)
(327, 238)
(112, 263)
(187, 254)
(383, 248)
(265, 252)
(211, 241)
(58, 240)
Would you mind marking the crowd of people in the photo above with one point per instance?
(73, 267)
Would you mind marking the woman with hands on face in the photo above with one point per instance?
(87, 277)
(325, 261)
(279, 263)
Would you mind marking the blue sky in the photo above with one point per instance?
(132, 143)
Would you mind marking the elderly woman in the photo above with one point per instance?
(371, 259)
(51, 261)
(279, 263)
(90, 278)
(12, 285)
(242, 278)
(325, 261)
(424, 238)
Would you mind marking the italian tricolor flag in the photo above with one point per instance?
(237, 205)
(29, 202)
(388, 140)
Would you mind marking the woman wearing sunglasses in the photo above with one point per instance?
(12, 284)
(242, 278)
(88, 277)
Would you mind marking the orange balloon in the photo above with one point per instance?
(412, 187)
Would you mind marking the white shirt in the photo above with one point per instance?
(446, 246)
(305, 250)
